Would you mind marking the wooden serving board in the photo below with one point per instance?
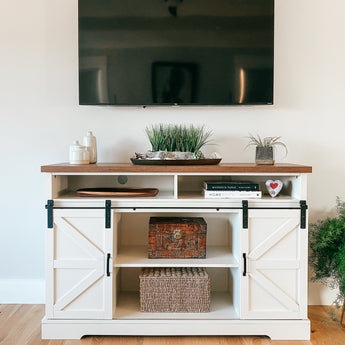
(118, 192)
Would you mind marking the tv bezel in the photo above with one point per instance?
(142, 105)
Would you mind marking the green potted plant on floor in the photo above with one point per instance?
(264, 153)
(327, 253)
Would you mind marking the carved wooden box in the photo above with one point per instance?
(177, 237)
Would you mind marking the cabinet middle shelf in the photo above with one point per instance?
(136, 256)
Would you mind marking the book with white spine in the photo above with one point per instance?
(226, 194)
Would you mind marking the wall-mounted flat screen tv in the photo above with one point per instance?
(176, 52)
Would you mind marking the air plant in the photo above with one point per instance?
(266, 142)
(180, 138)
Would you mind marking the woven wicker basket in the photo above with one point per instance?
(174, 290)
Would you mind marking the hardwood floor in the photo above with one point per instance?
(20, 325)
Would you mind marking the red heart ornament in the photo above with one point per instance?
(273, 185)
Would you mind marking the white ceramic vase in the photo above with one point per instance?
(89, 142)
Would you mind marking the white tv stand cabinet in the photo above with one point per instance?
(95, 248)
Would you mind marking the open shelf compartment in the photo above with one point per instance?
(131, 240)
(224, 296)
(65, 186)
(191, 186)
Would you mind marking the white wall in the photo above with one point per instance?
(40, 117)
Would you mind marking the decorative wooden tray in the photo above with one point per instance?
(118, 192)
(175, 161)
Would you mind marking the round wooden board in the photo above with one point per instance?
(118, 192)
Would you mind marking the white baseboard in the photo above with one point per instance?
(320, 295)
(22, 291)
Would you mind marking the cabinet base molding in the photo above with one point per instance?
(275, 329)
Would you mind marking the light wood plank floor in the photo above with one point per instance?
(20, 325)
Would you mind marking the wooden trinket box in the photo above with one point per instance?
(177, 238)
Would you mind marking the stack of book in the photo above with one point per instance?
(232, 189)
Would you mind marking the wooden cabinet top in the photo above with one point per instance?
(243, 168)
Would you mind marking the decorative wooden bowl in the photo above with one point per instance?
(118, 192)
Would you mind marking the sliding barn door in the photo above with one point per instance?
(274, 285)
(79, 279)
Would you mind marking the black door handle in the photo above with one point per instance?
(108, 265)
(244, 264)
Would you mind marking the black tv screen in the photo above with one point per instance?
(176, 52)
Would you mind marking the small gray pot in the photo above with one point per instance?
(264, 155)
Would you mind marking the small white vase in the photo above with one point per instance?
(89, 142)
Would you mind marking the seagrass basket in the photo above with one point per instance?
(174, 290)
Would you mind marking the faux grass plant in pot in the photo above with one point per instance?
(264, 152)
(177, 141)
